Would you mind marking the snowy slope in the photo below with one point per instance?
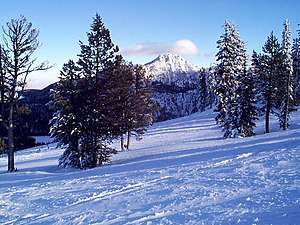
(182, 172)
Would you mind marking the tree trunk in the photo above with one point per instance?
(268, 108)
(128, 139)
(122, 142)
(11, 162)
(96, 149)
(286, 107)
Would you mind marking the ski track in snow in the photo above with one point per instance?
(182, 172)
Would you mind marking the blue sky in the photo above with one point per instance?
(143, 28)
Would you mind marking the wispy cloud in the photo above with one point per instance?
(182, 47)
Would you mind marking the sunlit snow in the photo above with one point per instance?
(181, 172)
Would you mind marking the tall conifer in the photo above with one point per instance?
(296, 67)
(231, 59)
(247, 110)
(98, 99)
(95, 60)
(287, 87)
(266, 68)
(66, 126)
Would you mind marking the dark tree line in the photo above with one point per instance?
(99, 98)
(241, 92)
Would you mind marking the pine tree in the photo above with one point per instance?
(202, 90)
(135, 106)
(286, 89)
(296, 67)
(120, 95)
(66, 126)
(212, 97)
(82, 121)
(142, 103)
(266, 68)
(96, 60)
(232, 60)
(98, 99)
(247, 110)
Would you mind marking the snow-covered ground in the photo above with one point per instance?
(182, 172)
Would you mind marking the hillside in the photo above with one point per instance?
(181, 172)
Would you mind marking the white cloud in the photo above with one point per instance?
(181, 47)
(185, 47)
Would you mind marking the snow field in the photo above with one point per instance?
(181, 172)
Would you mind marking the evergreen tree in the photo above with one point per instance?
(232, 60)
(296, 67)
(98, 99)
(135, 106)
(120, 94)
(212, 98)
(82, 121)
(247, 110)
(142, 103)
(266, 68)
(96, 60)
(202, 90)
(66, 126)
(286, 89)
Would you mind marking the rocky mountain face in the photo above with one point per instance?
(174, 83)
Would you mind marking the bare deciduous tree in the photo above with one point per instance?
(20, 41)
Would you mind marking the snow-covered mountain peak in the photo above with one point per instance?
(170, 62)
(174, 82)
